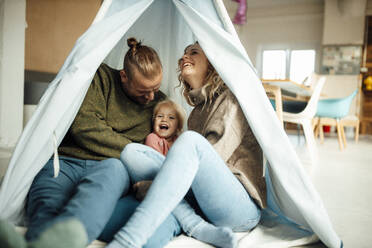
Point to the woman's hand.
(140, 189)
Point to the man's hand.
(141, 188)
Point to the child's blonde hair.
(180, 113)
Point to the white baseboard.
(28, 110)
(6, 145)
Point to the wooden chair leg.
(357, 132)
(339, 135)
(321, 133)
(316, 131)
(343, 134)
(316, 125)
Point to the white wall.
(12, 43)
(369, 7)
(296, 26)
(344, 22)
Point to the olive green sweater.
(107, 120)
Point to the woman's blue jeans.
(191, 162)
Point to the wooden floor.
(344, 181)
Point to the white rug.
(280, 236)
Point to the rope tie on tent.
(55, 158)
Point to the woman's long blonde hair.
(212, 83)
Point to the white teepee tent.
(168, 26)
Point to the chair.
(333, 112)
(305, 117)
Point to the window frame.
(288, 48)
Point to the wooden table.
(275, 92)
(290, 90)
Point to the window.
(274, 64)
(302, 64)
(295, 65)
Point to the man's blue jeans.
(85, 189)
(88, 190)
(191, 162)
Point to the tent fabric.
(168, 26)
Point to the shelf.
(368, 65)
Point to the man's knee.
(114, 170)
(114, 167)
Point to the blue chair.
(332, 112)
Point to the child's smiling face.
(166, 122)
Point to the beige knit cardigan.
(222, 122)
